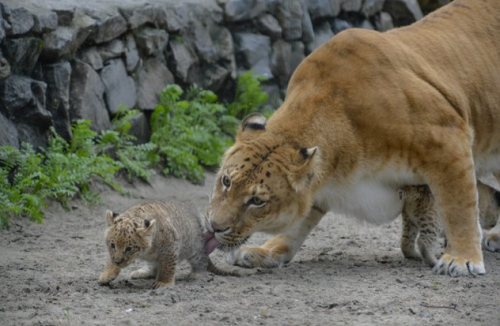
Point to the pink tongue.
(210, 243)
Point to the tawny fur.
(366, 114)
(160, 233)
(421, 220)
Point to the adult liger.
(366, 114)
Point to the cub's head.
(127, 238)
(264, 184)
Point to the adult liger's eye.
(226, 182)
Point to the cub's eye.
(128, 249)
(226, 182)
(256, 201)
(112, 246)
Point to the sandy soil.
(346, 273)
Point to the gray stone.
(141, 128)
(202, 42)
(274, 100)
(4, 67)
(109, 26)
(21, 21)
(86, 96)
(64, 41)
(32, 133)
(215, 76)
(403, 12)
(281, 61)
(366, 25)
(323, 9)
(111, 50)
(371, 7)
(273, 5)
(183, 61)
(268, 25)
(4, 25)
(351, 5)
(151, 79)
(119, 87)
(91, 56)
(8, 132)
(383, 22)
(223, 42)
(65, 16)
(171, 17)
(430, 5)
(298, 55)
(23, 54)
(58, 78)
(131, 54)
(289, 16)
(44, 21)
(253, 52)
(307, 28)
(339, 25)
(151, 41)
(323, 33)
(23, 100)
(241, 10)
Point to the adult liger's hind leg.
(280, 249)
(450, 174)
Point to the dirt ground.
(347, 273)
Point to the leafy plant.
(249, 96)
(192, 132)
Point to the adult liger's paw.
(252, 257)
(458, 266)
(492, 242)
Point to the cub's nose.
(217, 228)
(118, 261)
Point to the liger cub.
(160, 233)
(421, 219)
(366, 114)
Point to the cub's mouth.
(214, 241)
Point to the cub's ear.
(251, 126)
(147, 227)
(307, 168)
(110, 217)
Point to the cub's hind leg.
(408, 238)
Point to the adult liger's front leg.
(280, 249)
(454, 186)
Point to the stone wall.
(65, 60)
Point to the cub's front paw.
(160, 284)
(106, 277)
(252, 257)
(459, 266)
(492, 242)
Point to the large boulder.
(8, 132)
(323, 9)
(183, 61)
(4, 67)
(171, 17)
(20, 19)
(22, 100)
(112, 49)
(109, 25)
(151, 41)
(65, 40)
(253, 53)
(289, 15)
(323, 32)
(131, 54)
(268, 25)
(371, 7)
(87, 96)
(44, 20)
(152, 77)
(241, 10)
(58, 78)
(91, 56)
(23, 54)
(403, 12)
(119, 87)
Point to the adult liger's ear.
(110, 217)
(146, 228)
(251, 126)
(307, 169)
